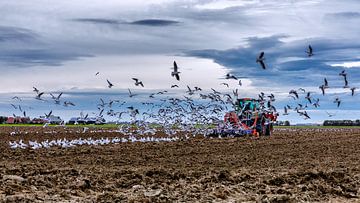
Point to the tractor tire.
(268, 130)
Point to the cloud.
(97, 21)
(34, 57)
(16, 34)
(287, 62)
(146, 22)
(345, 15)
(155, 22)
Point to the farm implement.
(248, 118)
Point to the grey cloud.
(31, 57)
(301, 70)
(155, 22)
(145, 22)
(97, 21)
(16, 34)
(345, 15)
(26, 48)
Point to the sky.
(58, 46)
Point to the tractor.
(248, 118)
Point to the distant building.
(51, 119)
(89, 120)
(18, 120)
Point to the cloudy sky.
(58, 46)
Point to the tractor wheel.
(268, 130)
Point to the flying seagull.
(285, 111)
(138, 82)
(229, 76)
(109, 84)
(353, 91)
(16, 97)
(130, 93)
(326, 84)
(38, 96)
(310, 51)
(175, 72)
(36, 90)
(337, 101)
(97, 73)
(260, 59)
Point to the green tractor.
(248, 118)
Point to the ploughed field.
(293, 165)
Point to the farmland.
(293, 165)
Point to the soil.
(293, 165)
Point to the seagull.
(240, 83)
(97, 73)
(294, 93)
(326, 84)
(172, 86)
(227, 85)
(137, 82)
(36, 90)
(343, 73)
(49, 114)
(190, 91)
(308, 97)
(353, 91)
(346, 83)
(260, 59)
(285, 111)
(131, 94)
(57, 99)
(306, 115)
(322, 87)
(229, 76)
(38, 96)
(316, 103)
(175, 72)
(310, 51)
(302, 89)
(109, 84)
(330, 114)
(16, 97)
(68, 103)
(338, 101)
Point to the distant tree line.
(282, 123)
(3, 119)
(341, 123)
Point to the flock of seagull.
(194, 107)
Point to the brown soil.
(294, 165)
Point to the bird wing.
(177, 77)
(59, 95)
(262, 65)
(261, 55)
(175, 66)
